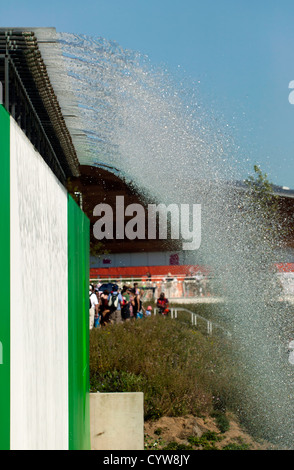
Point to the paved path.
(215, 300)
(196, 300)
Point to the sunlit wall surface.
(41, 341)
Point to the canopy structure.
(29, 59)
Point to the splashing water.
(151, 126)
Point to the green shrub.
(151, 443)
(117, 381)
(176, 446)
(233, 446)
(222, 421)
(206, 441)
(158, 431)
(176, 367)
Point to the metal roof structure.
(281, 191)
(27, 57)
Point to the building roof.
(281, 191)
(35, 62)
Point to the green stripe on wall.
(78, 327)
(5, 280)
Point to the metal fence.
(197, 319)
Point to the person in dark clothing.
(136, 302)
(126, 309)
(103, 308)
(162, 304)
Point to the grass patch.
(233, 446)
(178, 369)
(206, 442)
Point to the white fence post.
(194, 319)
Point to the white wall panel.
(39, 301)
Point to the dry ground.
(159, 433)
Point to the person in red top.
(162, 304)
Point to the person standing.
(104, 310)
(136, 302)
(141, 310)
(115, 301)
(94, 313)
(136, 288)
(198, 280)
(126, 305)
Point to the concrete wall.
(117, 421)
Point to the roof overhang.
(35, 58)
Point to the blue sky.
(242, 52)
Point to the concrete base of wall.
(117, 421)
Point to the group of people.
(118, 305)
